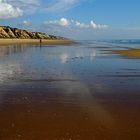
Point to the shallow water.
(79, 92)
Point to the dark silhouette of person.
(40, 41)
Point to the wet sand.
(81, 92)
(35, 41)
(52, 119)
(130, 53)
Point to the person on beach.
(40, 41)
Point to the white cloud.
(30, 6)
(81, 25)
(75, 29)
(92, 25)
(8, 11)
(24, 3)
(59, 5)
(16, 8)
(75, 24)
(64, 22)
(26, 23)
(61, 22)
(97, 26)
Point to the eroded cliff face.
(8, 32)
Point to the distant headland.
(9, 35)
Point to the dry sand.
(35, 41)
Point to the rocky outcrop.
(8, 32)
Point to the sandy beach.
(35, 41)
(70, 92)
(130, 53)
(69, 70)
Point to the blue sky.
(79, 19)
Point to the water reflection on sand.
(74, 92)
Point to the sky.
(76, 19)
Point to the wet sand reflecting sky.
(79, 92)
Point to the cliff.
(9, 33)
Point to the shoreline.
(35, 41)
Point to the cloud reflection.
(79, 54)
(64, 57)
(83, 96)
